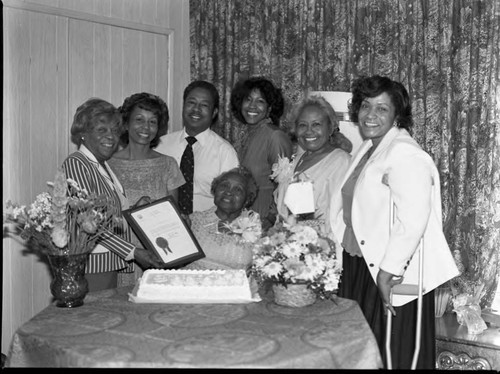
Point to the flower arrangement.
(67, 221)
(297, 254)
(248, 225)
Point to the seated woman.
(226, 231)
(318, 159)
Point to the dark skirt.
(357, 284)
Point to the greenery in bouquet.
(297, 254)
(69, 220)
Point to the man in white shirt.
(212, 153)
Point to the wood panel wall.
(58, 53)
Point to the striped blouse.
(85, 171)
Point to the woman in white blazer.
(376, 256)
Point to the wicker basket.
(294, 295)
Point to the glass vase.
(69, 285)
(293, 295)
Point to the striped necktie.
(187, 169)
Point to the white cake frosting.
(202, 286)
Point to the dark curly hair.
(271, 94)
(375, 85)
(148, 102)
(251, 185)
(89, 114)
(210, 88)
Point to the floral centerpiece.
(63, 225)
(296, 254)
(67, 221)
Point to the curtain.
(446, 53)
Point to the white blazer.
(399, 167)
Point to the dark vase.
(69, 285)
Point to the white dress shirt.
(212, 156)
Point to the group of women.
(352, 194)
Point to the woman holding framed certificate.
(145, 174)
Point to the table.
(110, 331)
(456, 349)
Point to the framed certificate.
(160, 228)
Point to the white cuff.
(130, 256)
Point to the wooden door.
(57, 55)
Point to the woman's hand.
(186, 219)
(385, 282)
(148, 259)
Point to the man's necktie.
(187, 168)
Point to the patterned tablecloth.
(110, 331)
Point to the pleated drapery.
(447, 55)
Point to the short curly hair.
(89, 114)
(272, 95)
(148, 102)
(252, 188)
(375, 85)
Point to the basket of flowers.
(298, 262)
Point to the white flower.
(73, 183)
(262, 261)
(60, 237)
(251, 236)
(248, 225)
(294, 267)
(292, 250)
(282, 171)
(277, 238)
(304, 234)
(18, 211)
(307, 274)
(331, 279)
(315, 262)
(272, 269)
